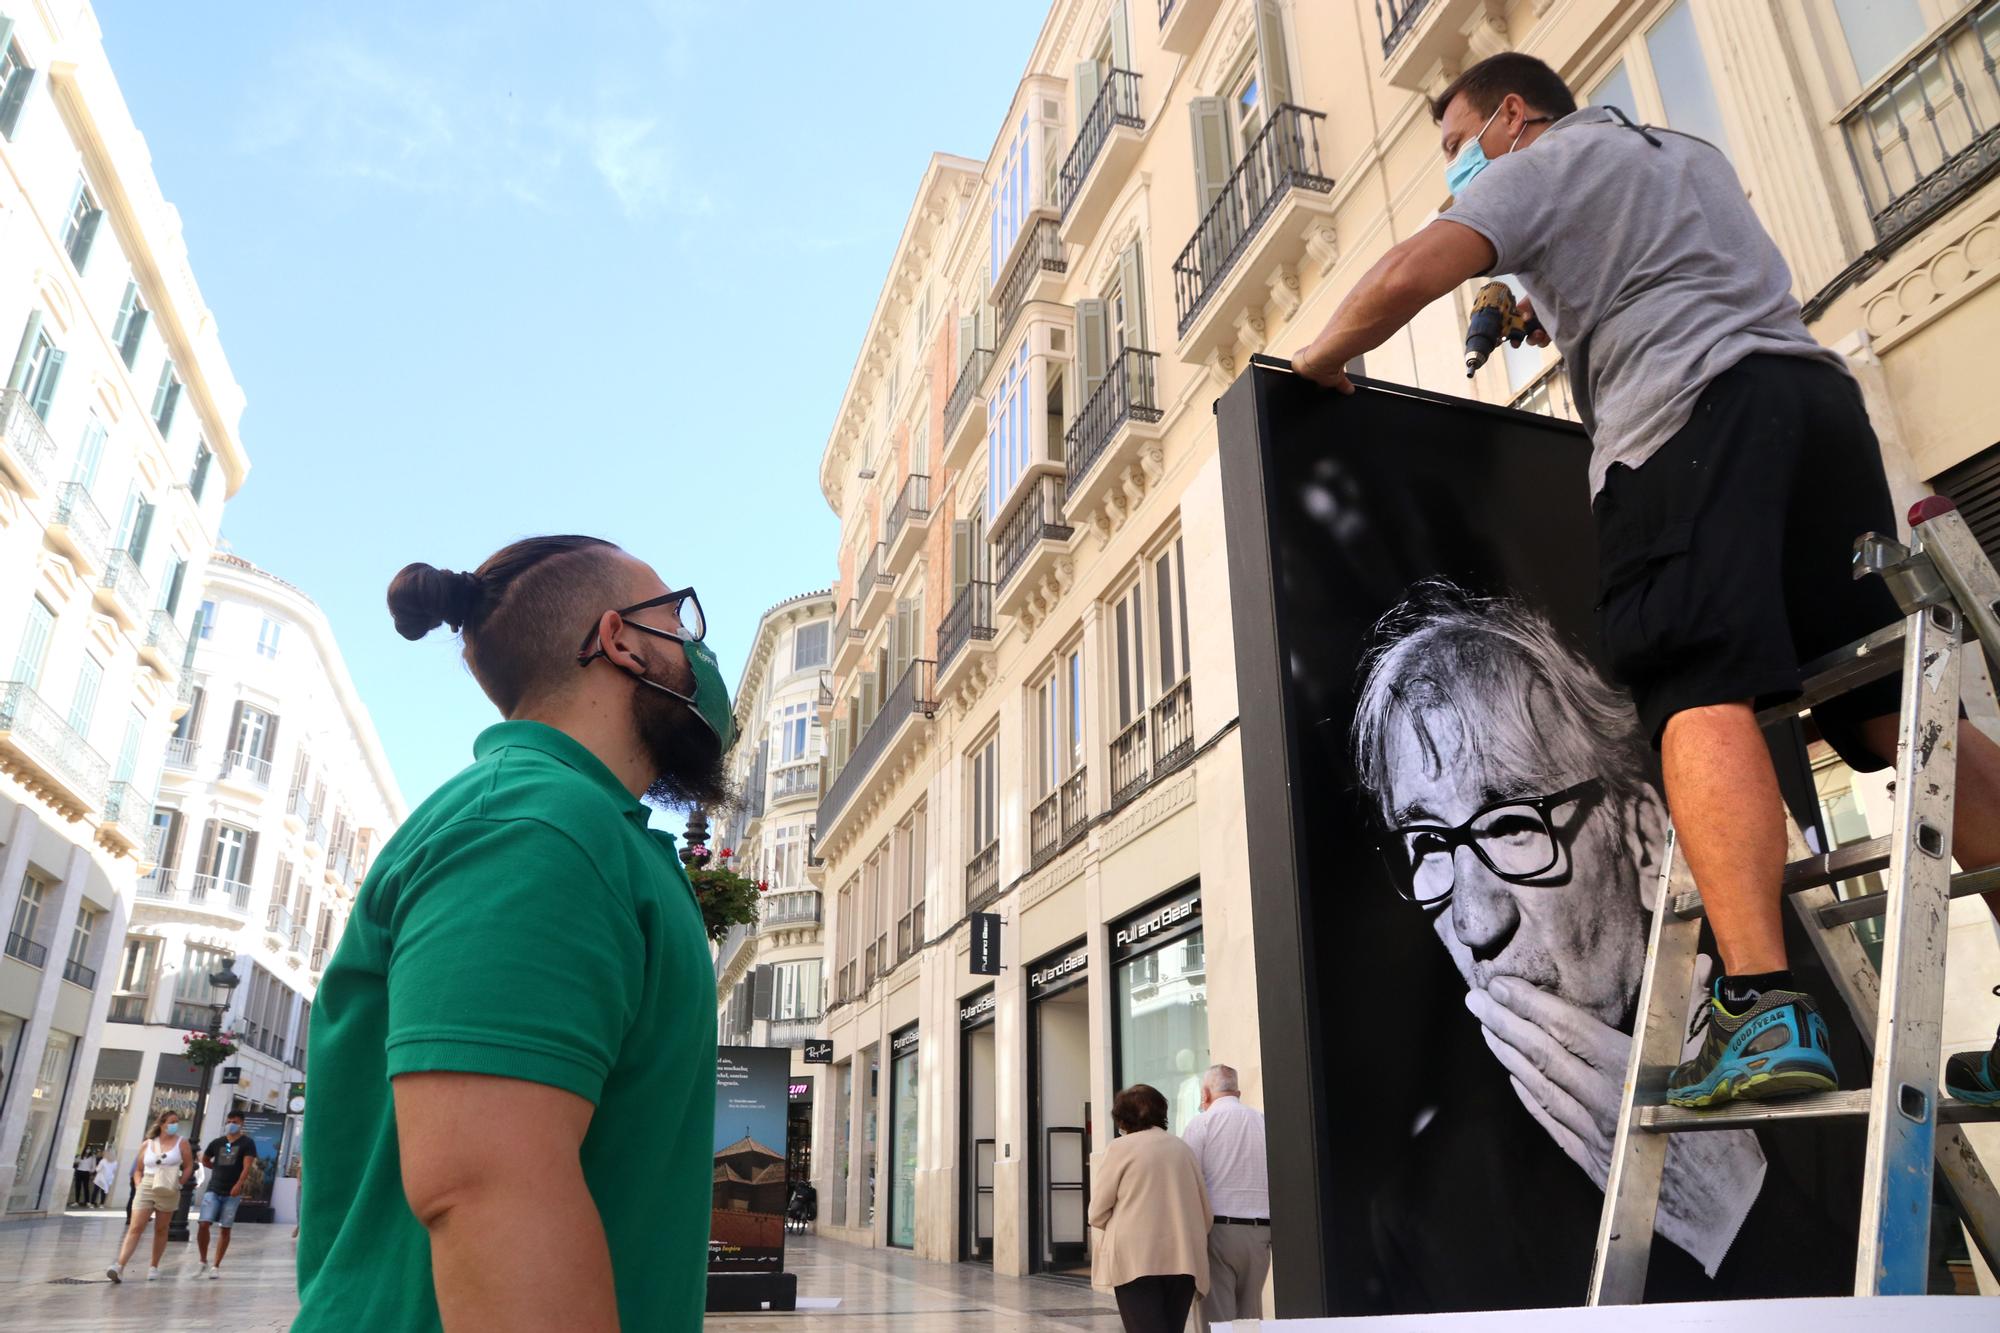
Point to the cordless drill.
(1494, 316)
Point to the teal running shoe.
(1974, 1076)
(1777, 1049)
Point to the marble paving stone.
(52, 1278)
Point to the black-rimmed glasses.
(686, 609)
(1513, 837)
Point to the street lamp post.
(225, 981)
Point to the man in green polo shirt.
(514, 1044)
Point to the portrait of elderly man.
(1520, 818)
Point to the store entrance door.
(978, 1120)
(1059, 1115)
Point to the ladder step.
(1851, 1105)
(1851, 862)
(1842, 671)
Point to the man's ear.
(619, 642)
(1646, 833)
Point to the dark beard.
(686, 756)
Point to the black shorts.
(1725, 559)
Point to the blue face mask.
(173, 1131)
(1472, 159)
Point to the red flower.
(763, 885)
(728, 852)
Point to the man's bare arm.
(1389, 295)
(490, 1168)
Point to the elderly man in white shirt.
(1228, 1141)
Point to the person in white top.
(1228, 1140)
(163, 1168)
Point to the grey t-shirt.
(1646, 265)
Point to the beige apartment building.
(1033, 696)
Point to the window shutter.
(126, 309)
(170, 851)
(45, 384)
(249, 867)
(1121, 37)
(194, 711)
(1131, 281)
(961, 555)
(760, 992)
(236, 726)
(1274, 72)
(1210, 117)
(142, 528)
(85, 235)
(135, 338)
(209, 844)
(1092, 344)
(270, 739)
(968, 332)
(171, 602)
(17, 378)
(14, 96)
(89, 455)
(1086, 82)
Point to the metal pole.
(178, 1228)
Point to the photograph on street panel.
(1436, 599)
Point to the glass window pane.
(1615, 89)
(1686, 93)
(1163, 1025)
(1878, 31)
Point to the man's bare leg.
(1729, 819)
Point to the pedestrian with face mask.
(225, 1158)
(524, 986)
(164, 1166)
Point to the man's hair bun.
(422, 597)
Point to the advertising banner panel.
(1413, 580)
(747, 1231)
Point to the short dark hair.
(234, 1115)
(1139, 1107)
(1487, 82)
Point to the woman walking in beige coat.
(1148, 1198)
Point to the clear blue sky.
(487, 270)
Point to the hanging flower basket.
(205, 1050)
(727, 898)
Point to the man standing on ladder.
(1732, 467)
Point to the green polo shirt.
(524, 922)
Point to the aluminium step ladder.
(1947, 589)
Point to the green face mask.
(711, 694)
(710, 699)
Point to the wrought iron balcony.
(1109, 136)
(1395, 18)
(982, 876)
(278, 921)
(848, 636)
(25, 447)
(123, 590)
(800, 907)
(242, 766)
(72, 776)
(182, 752)
(969, 620)
(1037, 521)
(793, 1032)
(1283, 157)
(1035, 273)
(78, 975)
(909, 520)
(825, 690)
(1128, 762)
(128, 816)
(165, 647)
(128, 1009)
(1154, 744)
(215, 893)
(795, 779)
(78, 528)
(21, 947)
(1927, 133)
(184, 691)
(915, 694)
(964, 428)
(318, 959)
(1058, 820)
(1129, 396)
(298, 807)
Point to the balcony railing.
(913, 502)
(970, 618)
(915, 693)
(982, 876)
(847, 631)
(182, 752)
(318, 959)
(24, 440)
(78, 975)
(793, 1032)
(1130, 392)
(796, 779)
(1395, 18)
(21, 947)
(82, 523)
(164, 637)
(128, 1009)
(755, 785)
(278, 920)
(1128, 762)
(1041, 252)
(216, 892)
(1284, 154)
(1117, 104)
(191, 1016)
(130, 812)
(1038, 518)
(970, 376)
(1075, 807)
(1173, 728)
(1928, 134)
(874, 573)
(797, 908)
(256, 767)
(42, 736)
(299, 806)
(126, 584)
(1045, 830)
(825, 690)
(909, 933)
(1548, 394)
(813, 858)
